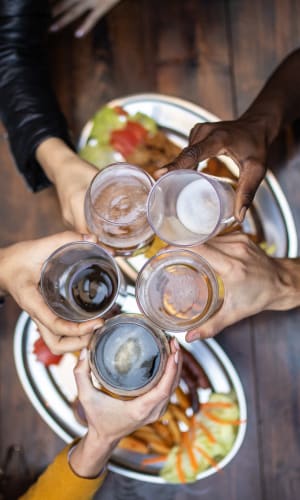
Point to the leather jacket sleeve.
(28, 106)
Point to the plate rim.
(218, 351)
(270, 179)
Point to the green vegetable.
(146, 121)
(100, 156)
(104, 121)
(206, 452)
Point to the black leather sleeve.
(29, 109)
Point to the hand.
(20, 268)
(66, 11)
(105, 427)
(253, 282)
(71, 176)
(243, 140)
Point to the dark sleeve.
(28, 106)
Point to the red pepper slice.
(43, 353)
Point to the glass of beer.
(81, 281)
(116, 208)
(178, 290)
(186, 207)
(128, 355)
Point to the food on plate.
(43, 353)
(117, 136)
(207, 441)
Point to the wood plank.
(263, 33)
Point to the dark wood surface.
(218, 54)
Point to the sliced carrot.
(192, 426)
(189, 448)
(222, 421)
(217, 404)
(207, 457)
(207, 432)
(154, 460)
(179, 468)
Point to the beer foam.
(198, 207)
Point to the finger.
(82, 376)
(252, 173)
(94, 17)
(39, 311)
(61, 345)
(163, 390)
(200, 131)
(60, 7)
(68, 17)
(211, 327)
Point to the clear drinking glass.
(186, 207)
(128, 355)
(116, 207)
(81, 281)
(178, 290)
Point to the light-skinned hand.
(20, 270)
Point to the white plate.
(176, 118)
(52, 390)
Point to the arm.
(20, 269)
(253, 282)
(37, 130)
(29, 108)
(105, 429)
(247, 139)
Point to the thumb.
(209, 329)
(252, 173)
(82, 375)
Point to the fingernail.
(161, 171)
(79, 33)
(190, 337)
(177, 346)
(242, 213)
(88, 237)
(83, 353)
(176, 355)
(53, 28)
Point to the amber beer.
(116, 208)
(178, 290)
(128, 355)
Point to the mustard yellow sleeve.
(59, 481)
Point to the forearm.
(29, 109)
(278, 103)
(91, 455)
(287, 293)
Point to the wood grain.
(217, 54)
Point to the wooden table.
(216, 53)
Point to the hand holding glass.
(178, 290)
(80, 281)
(128, 355)
(187, 208)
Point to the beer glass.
(81, 281)
(186, 207)
(116, 208)
(178, 290)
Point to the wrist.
(288, 289)
(3, 272)
(91, 455)
(53, 154)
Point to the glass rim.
(160, 338)
(74, 244)
(129, 166)
(212, 180)
(170, 326)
